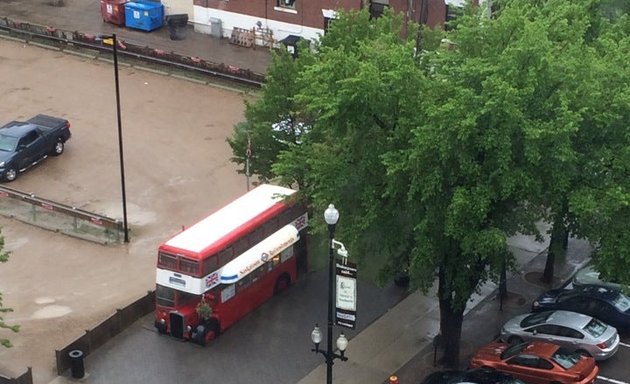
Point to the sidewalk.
(400, 342)
(85, 16)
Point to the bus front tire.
(204, 334)
(281, 284)
(198, 335)
(161, 327)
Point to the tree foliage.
(273, 123)
(4, 257)
(435, 157)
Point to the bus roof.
(228, 219)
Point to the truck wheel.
(58, 149)
(11, 174)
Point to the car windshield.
(513, 350)
(566, 359)
(621, 302)
(595, 328)
(8, 143)
(535, 318)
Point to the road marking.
(611, 380)
(625, 345)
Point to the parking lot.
(176, 172)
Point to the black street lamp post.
(331, 215)
(120, 140)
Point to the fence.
(25, 378)
(96, 337)
(67, 39)
(58, 217)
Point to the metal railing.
(25, 378)
(59, 217)
(77, 40)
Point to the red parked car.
(537, 362)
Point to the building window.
(377, 7)
(287, 3)
(452, 13)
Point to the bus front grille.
(177, 325)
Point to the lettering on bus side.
(250, 267)
(281, 247)
(264, 256)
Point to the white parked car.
(572, 330)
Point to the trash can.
(177, 26)
(146, 16)
(76, 364)
(113, 11)
(215, 27)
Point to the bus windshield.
(169, 297)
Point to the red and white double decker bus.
(229, 263)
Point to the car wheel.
(11, 174)
(58, 149)
(515, 340)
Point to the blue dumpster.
(146, 16)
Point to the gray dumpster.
(215, 27)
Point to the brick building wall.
(303, 18)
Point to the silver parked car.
(572, 330)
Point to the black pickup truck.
(24, 144)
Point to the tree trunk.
(565, 240)
(503, 284)
(451, 329)
(557, 244)
(547, 276)
(450, 324)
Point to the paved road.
(270, 345)
(616, 369)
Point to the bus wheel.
(281, 284)
(198, 336)
(204, 334)
(161, 327)
(209, 336)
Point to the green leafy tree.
(593, 106)
(435, 159)
(4, 257)
(273, 123)
(601, 200)
(417, 156)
